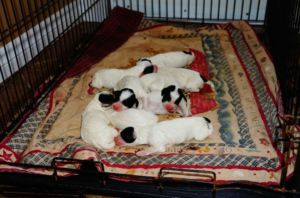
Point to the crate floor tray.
(242, 146)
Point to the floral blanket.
(244, 116)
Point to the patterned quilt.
(245, 120)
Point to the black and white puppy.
(169, 100)
(120, 100)
(134, 84)
(169, 59)
(165, 134)
(95, 128)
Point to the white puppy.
(132, 117)
(165, 133)
(169, 100)
(169, 59)
(95, 127)
(186, 79)
(157, 81)
(110, 77)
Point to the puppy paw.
(142, 153)
(150, 151)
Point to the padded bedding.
(244, 111)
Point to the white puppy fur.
(186, 79)
(95, 128)
(133, 117)
(169, 59)
(156, 104)
(110, 77)
(157, 81)
(166, 133)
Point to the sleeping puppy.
(134, 84)
(169, 100)
(157, 81)
(165, 134)
(95, 128)
(186, 79)
(132, 117)
(169, 59)
(120, 100)
(110, 77)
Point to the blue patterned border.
(269, 109)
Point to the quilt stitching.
(217, 62)
(269, 108)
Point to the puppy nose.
(91, 89)
(119, 141)
(169, 107)
(155, 69)
(117, 107)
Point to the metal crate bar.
(199, 11)
(37, 42)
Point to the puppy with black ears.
(169, 100)
(120, 100)
(165, 134)
(130, 91)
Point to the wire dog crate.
(40, 40)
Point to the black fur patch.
(127, 135)
(181, 96)
(129, 102)
(207, 120)
(106, 98)
(166, 93)
(187, 52)
(145, 59)
(204, 79)
(148, 70)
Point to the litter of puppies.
(128, 115)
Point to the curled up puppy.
(99, 123)
(165, 134)
(95, 128)
(170, 99)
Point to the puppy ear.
(166, 93)
(207, 120)
(181, 94)
(204, 79)
(149, 69)
(168, 89)
(146, 59)
(106, 98)
(117, 95)
(131, 101)
(127, 135)
(187, 52)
